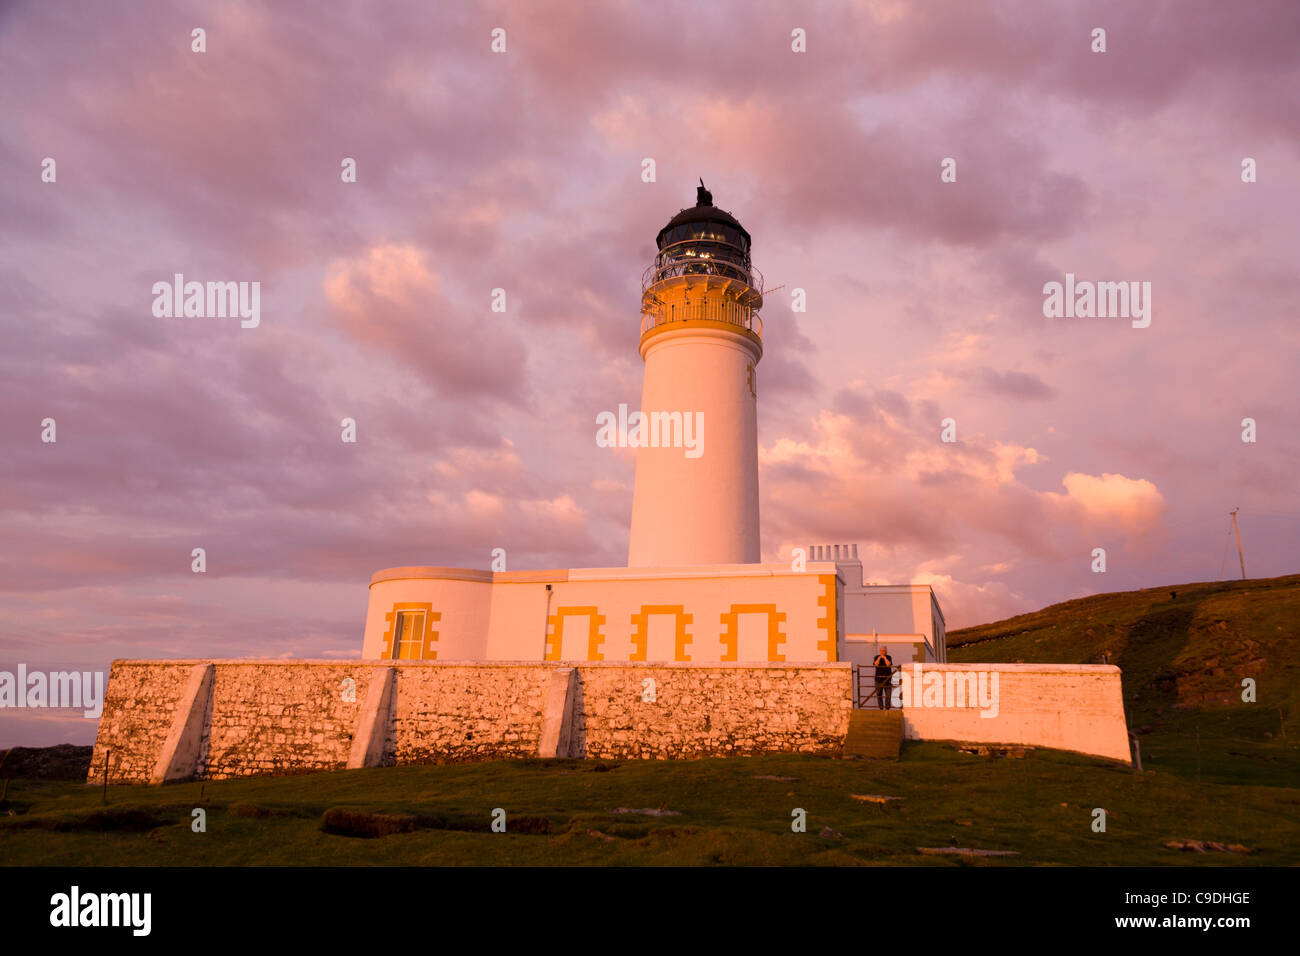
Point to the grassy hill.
(1184, 650)
(729, 811)
(1183, 659)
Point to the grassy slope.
(1182, 660)
(1040, 806)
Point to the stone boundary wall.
(139, 708)
(174, 720)
(443, 713)
(1077, 707)
(701, 710)
(280, 717)
(277, 717)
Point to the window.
(410, 634)
(408, 642)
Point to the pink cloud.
(523, 171)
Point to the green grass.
(1040, 806)
(1183, 661)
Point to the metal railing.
(708, 309)
(723, 266)
(697, 257)
(868, 688)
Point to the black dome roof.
(703, 211)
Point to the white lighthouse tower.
(695, 591)
(701, 343)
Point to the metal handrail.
(864, 697)
(671, 262)
(738, 308)
(728, 311)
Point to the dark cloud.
(1024, 385)
(523, 172)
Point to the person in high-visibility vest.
(884, 670)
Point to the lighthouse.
(701, 341)
(695, 590)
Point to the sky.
(524, 170)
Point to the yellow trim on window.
(641, 630)
(731, 632)
(555, 631)
(830, 642)
(427, 650)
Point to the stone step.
(874, 733)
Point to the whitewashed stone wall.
(711, 710)
(280, 717)
(445, 713)
(139, 707)
(1076, 707)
